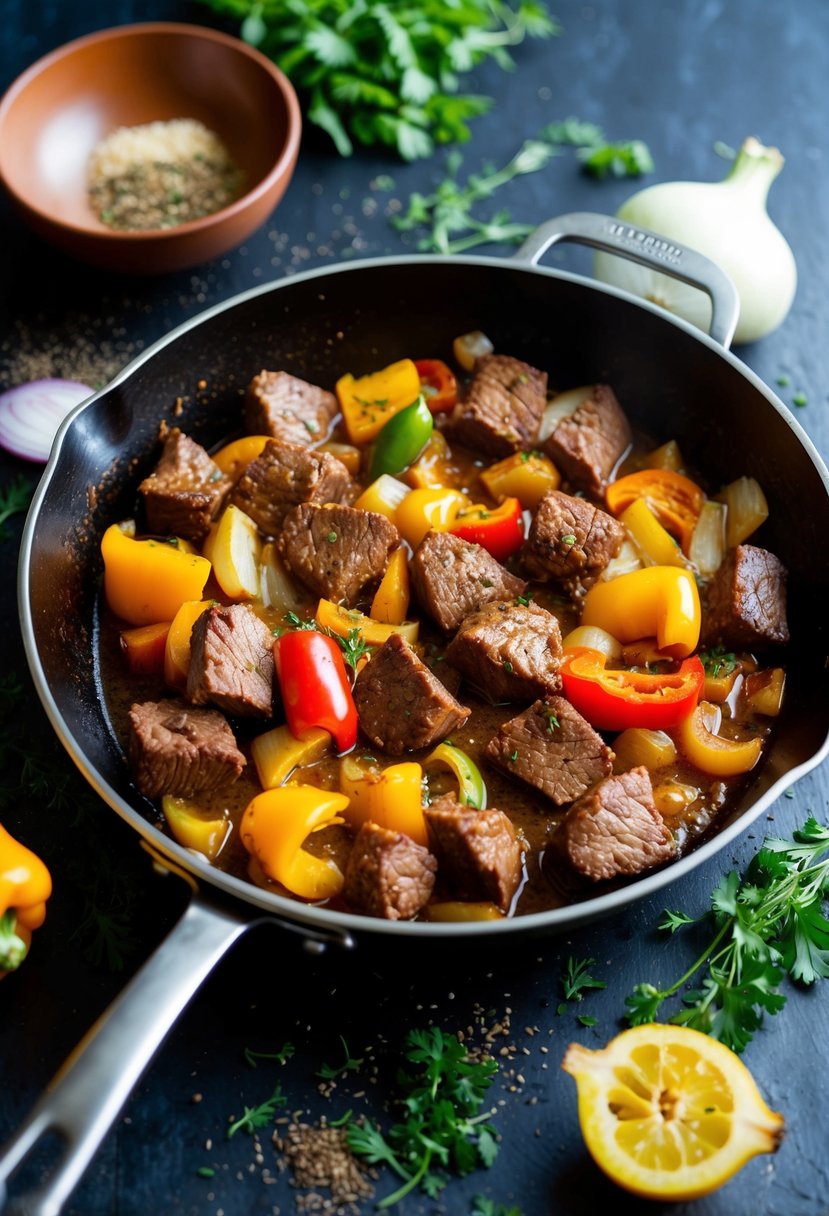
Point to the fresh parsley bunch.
(388, 71)
(443, 1128)
(767, 926)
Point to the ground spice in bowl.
(161, 174)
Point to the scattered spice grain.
(320, 1159)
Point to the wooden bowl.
(56, 112)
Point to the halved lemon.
(669, 1113)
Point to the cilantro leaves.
(767, 926)
(386, 72)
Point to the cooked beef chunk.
(400, 704)
(479, 855)
(745, 602)
(551, 747)
(288, 408)
(510, 651)
(387, 874)
(186, 491)
(231, 661)
(284, 475)
(452, 578)
(570, 541)
(336, 551)
(587, 445)
(502, 410)
(177, 749)
(615, 829)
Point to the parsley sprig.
(575, 980)
(352, 645)
(388, 71)
(261, 1115)
(767, 926)
(442, 1128)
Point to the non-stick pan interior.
(672, 382)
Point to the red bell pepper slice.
(438, 384)
(499, 530)
(617, 699)
(315, 687)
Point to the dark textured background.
(680, 75)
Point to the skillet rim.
(320, 919)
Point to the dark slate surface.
(680, 75)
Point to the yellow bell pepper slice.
(235, 457)
(177, 646)
(277, 753)
(383, 496)
(390, 797)
(368, 402)
(675, 500)
(763, 691)
(426, 509)
(342, 621)
(435, 466)
(391, 602)
(527, 476)
(235, 549)
(275, 825)
(697, 739)
(25, 886)
(654, 541)
(346, 453)
(658, 601)
(195, 828)
(146, 581)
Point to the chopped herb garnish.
(784, 380)
(204, 1171)
(507, 666)
(261, 1115)
(524, 599)
(577, 978)
(569, 540)
(800, 399)
(586, 1019)
(486, 582)
(327, 1072)
(311, 427)
(513, 756)
(331, 537)
(552, 721)
(281, 1056)
(717, 662)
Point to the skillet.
(673, 380)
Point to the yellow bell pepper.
(346, 453)
(275, 825)
(697, 739)
(654, 541)
(194, 828)
(452, 910)
(435, 466)
(763, 691)
(235, 457)
(668, 456)
(177, 646)
(425, 509)
(675, 500)
(383, 496)
(342, 621)
(391, 602)
(234, 548)
(368, 402)
(146, 581)
(390, 797)
(277, 753)
(527, 476)
(25, 885)
(658, 601)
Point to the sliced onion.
(707, 548)
(626, 561)
(593, 638)
(30, 415)
(747, 509)
(560, 407)
(470, 347)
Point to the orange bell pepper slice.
(676, 501)
(390, 797)
(144, 647)
(146, 581)
(275, 825)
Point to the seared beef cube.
(453, 577)
(509, 651)
(570, 541)
(479, 855)
(231, 662)
(551, 747)
(400, 704)
(186, 491)
(177, 749)
(587, 445)
(288, 408)
(615, 829)
(336, 551)
(283, 476)
(502, 410)
(388, 874)
(745, 602)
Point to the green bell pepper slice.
(402, 439)
(471, 787)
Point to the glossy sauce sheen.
(546, 885)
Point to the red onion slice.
(30, 415)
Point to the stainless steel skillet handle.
(649, 249)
